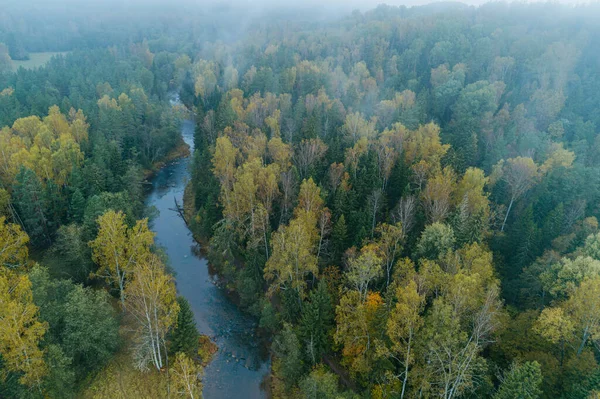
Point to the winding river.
(239, 367)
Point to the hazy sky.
(373, 3)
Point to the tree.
(77, 206)
(118, 249)
(357, 329)
(13, 245)
(584, 309)
(308, 154)
(339, 237)
(20, 329)
(4, 202)
(5, 61)
(520, 175)
(316, 322)
(60, 381)
(184, 337)
(453, 355)
(403, 324)
(320, 384)
(71, 253)
(365, 268)
(293, 254)
(151, 298)
(521, 381)
(356, 127)
(435, 241)
(31, 206)
(471, 189)
(91, 329)
(390, 245)
(404, 213)
(438, 194)
(82, 321)
(288, 364)
(186, 376)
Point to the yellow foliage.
(49, 147)
(20, 330)
(13, 245)
(118, 249)
(152, 300)
(186, 377)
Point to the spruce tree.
(185, 335)
(339, 237)
(29, 200)
(77, 206)
(316, 321)
(521, 381)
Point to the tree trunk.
(406, 367)
(507, 212)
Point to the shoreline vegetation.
(181, 151)
(405, 200)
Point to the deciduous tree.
(118, 249)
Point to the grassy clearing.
(35, 60)
(120, 380)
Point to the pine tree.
(184, 337)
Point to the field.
(35, 60)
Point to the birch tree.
(20, 329)
(186, 376)
(520, 175)
(118, 249)
(390, 245)
(403, 324)
(152, 301)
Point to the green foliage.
(510, 160)
(286, 347)
(82, 322)
(521, 381)
(184, 337)
(320, 383)
(436, 240)
(31, 206)
(316, 322)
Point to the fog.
(343, 4)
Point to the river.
(238, 368)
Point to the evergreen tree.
(315, 323)
(184, 337)
(77, 206)
(31, 206)
(339, 237)
(521, 382)
(289, 357)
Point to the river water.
(239, 366)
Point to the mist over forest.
(308, 200)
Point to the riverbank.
(181, 151)
(240, 364)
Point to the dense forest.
(405, 199)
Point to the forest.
(404, 199)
